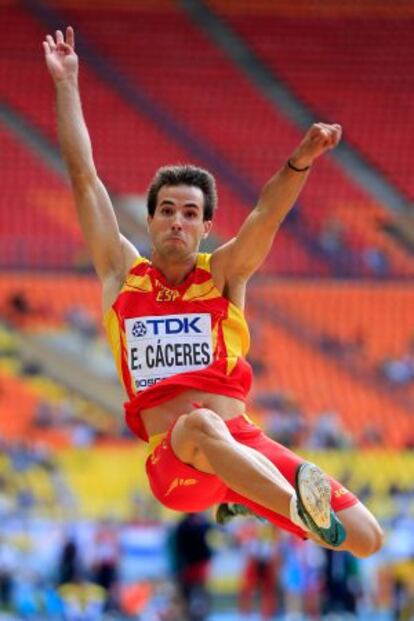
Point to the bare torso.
(158, 419)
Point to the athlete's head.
(184, 175)
(181, 202)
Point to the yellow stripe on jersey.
(237, 340)
(137, 283)
(206, 291)
(203, 261)
(111, 324)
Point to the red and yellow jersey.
(166, 339)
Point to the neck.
(175, 271)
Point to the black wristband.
(295, 168)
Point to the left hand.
(319, 138)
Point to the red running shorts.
(181, 487)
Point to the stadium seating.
(49, 296)
(37, 227)
(376, 318)
(341, 59)
(321, 386)
(237, 123)
(129, 146)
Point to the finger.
(51, 42)
(59, 36)
(64, 47)
(320, 133)
(338, 132)
(334, 132)
(70, 37)
(46, 48)
(327, 135)
(334, 128)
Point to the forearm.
(93, 204)
(73, 134)
(281, 192)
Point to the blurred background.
(231, 85)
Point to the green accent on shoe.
(332, 536)
(228, 511)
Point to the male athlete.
(176, 327)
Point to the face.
(177, 226)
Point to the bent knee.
(364, 535)
(367, 541)
(204, 422)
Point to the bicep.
(100, 227)
(130, 253)
(244, 254)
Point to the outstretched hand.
(60, 56)
(319, 138)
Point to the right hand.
(60, 56)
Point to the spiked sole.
(313, 492)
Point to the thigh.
(192, 432)
(180, 486)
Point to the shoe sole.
(314, 494)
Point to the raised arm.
(111, 253)
(234, 262)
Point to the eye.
(191, 214)
(167, 211)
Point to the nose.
(176, 223)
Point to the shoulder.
(231, 286)
(112, 285)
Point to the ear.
(207, 228)
(149, 220)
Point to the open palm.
(60, 56)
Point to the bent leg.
(260, 473)
(203, 440)
(364, 534)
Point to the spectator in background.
(105, 562)
(377, 261)
(19, 309)
(69, 568)
(79, 319)
(328, 433)
(193, 555)
(8, 565)
(399, 371)
(331, 238)
(261, 552)
(342, 585)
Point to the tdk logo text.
(167, 326)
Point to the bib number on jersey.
(161, 346)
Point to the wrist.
(298, 167)
(66, 81)
(299, 162)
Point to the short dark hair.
(184, 174)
